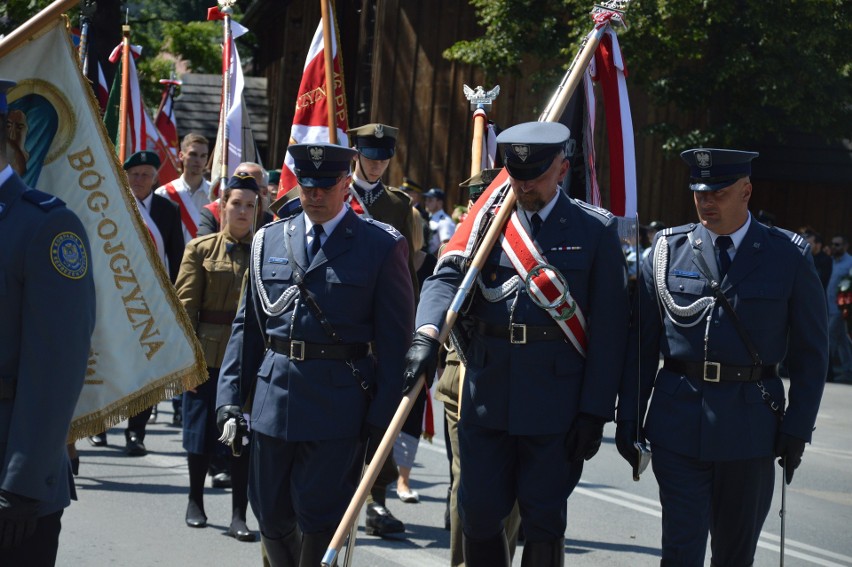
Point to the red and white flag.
(137, 125)
(310, 122)
(165, 121)
(608, 68)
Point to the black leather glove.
(224, 413)
(625, 437)
(18, 519)
(790, 450)
(584, 437)
(421, 358)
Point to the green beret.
(145, 157)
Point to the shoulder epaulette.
(400, 194)
(797, 240)
(598, 210)
(384, 226)
(682, 229)
(42, 200)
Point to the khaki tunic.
(209, 285)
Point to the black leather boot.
(493, 552)
(283, 552)
(544, 553)
(314, 547)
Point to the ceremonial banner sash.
(144, 348)
(187, 208)
(356, 204)
(546, 286)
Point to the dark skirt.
(200, 434)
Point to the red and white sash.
(189, 215)
(544, 283)
(357, 204)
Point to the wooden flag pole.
(35, 24)
(328, 56)
(125, 93)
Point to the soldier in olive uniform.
(543, 369)
(317, 349)
(723, 302)
(47, 315)
(209, 285)
(370, 198)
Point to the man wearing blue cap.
(543, 367)
(316, 355)
(723, 301)
(47, 315)
(441, 225)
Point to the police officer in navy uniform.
(47, 306)
(532, 406)
(714, 422)
(317, 351)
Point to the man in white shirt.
(190, 191)
(440, 223)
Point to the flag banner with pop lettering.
(144, 348)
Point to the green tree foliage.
(748, 70)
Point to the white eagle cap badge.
(317, 155)
(379, 131)
(522, 151)
(704, 159)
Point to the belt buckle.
(712, 371)
(297, 350)
(523, 330)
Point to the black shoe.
(381, 522)
(239, 530)
(221, 480)
(195, 517)
(99, 440)
(135, 447)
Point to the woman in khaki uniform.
(208, 285)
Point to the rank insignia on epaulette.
(68, 255)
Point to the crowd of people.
(314, 326)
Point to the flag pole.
(35, 24)
(86, 13)
(605, 14)
(125, 93)
(226, 94)
(329, 70)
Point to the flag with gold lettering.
(144, 348)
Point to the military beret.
(528, 149)
(711, 169)
(484, 177)
(375, 141)
(320, 164)
(274, 176)
(145, 157)
(434, 193)
(5, 85)
(409, 184)
(243, 180)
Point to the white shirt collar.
(545, 210)
(736, 236)
(363, 183)
(6, 174)
(328, 226)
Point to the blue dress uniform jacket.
(539, 387)
(775, 291)
(361, 283)
(47, 315)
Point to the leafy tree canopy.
(749, 71)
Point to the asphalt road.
(131, 509)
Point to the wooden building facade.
(395, 73)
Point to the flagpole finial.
(479, 98)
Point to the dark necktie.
(536, 224)
(722, 245)
(316, 243)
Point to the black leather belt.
(216, 317)
(718, 372)
(300, 350)
(519, 334)
(8, 386)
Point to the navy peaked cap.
(243, 180)
(144, 157)
(375, 141)
(435, 193)
(320, 164)
(528, 149)
(711, 169)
